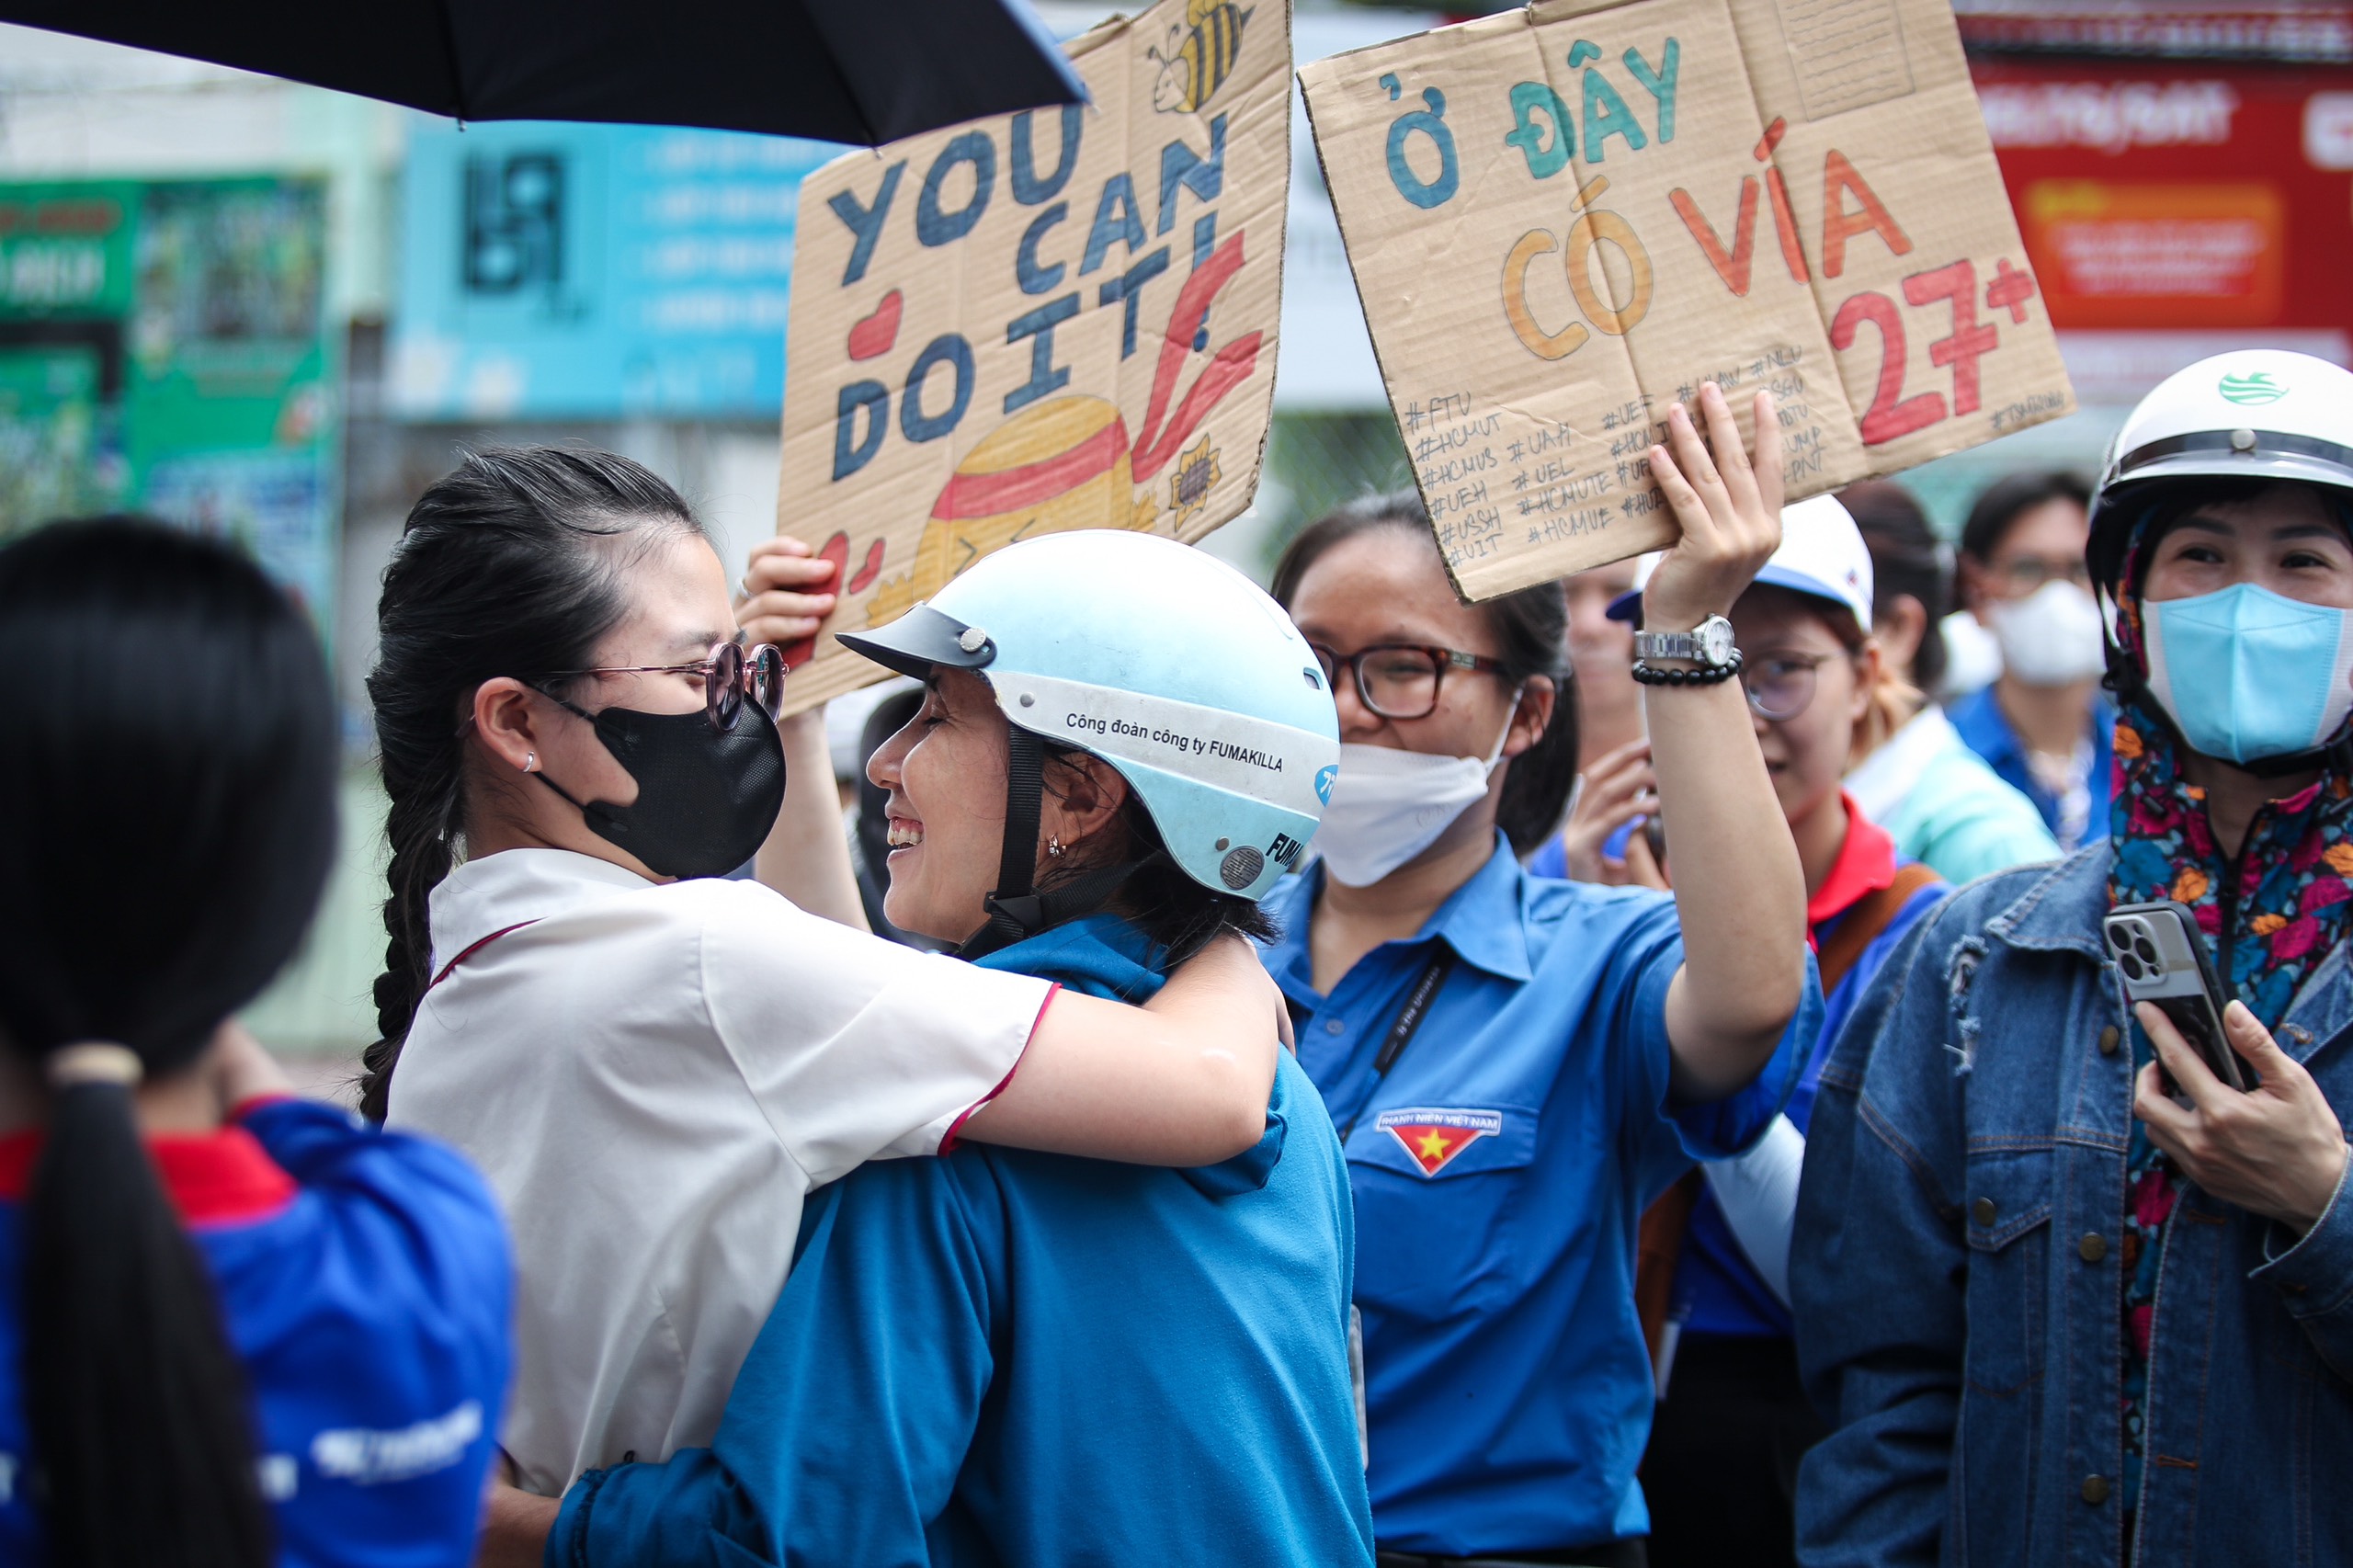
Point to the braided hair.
(514, 563)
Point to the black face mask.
(706, 798)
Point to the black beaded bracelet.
(1650, 674)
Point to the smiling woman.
(946, 775)
(937, 1360)
(654, 1064)
(1176, 778)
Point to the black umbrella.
(865, 71)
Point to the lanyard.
(1409, 1020)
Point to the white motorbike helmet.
(2266, 415)
(1168, 664)
(2260, 414)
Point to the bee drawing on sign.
(1196, 474)
(1200, 56)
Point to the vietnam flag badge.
(1434, 1135)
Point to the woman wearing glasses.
(1733, 1418)
(1518, 1065)
(2043, 725)
(653, 1064)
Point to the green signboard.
(163, 349)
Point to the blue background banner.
(566, 271)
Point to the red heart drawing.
(800, 651)
(866, 574)
(873, 336)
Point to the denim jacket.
(1958, 1285)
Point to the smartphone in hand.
(2161, 953)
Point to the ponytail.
(170, 729)
(511, 564)
(142, 1432)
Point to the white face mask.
(2051, 637)
(1388, 805)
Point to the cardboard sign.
(1563, 220)
(1060, 319)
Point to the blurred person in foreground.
(240, 1329)
(1941, 803)
(1721, 1471)
(2068, 1296)
(2042, 724)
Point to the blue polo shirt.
(1982, 723)
(1500, 1170)
(1009, 1358)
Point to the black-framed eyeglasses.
(731, 672)
(1400, 680)
(1781, 685)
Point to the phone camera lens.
(2130, 965)
(2120, 939)
(2146, 949)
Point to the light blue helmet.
(1164, 661)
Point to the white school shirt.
(652, 1076)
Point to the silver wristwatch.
(1709, 643)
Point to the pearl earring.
(531, 762)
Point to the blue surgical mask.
(2246, 675)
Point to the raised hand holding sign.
(1625, 202)
(1046, 321)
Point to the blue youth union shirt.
(1007, 1357)
(1500, 1172)
(1982, 723)
(365, 1284)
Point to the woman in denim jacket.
(2058, 1314)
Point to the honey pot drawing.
(1056, 465)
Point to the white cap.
(1822, 555)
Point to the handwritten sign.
(1059, 318)
(1563, 220)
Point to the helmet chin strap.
(1018, 910)
(1012, 905)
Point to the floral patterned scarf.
(2286, 902)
